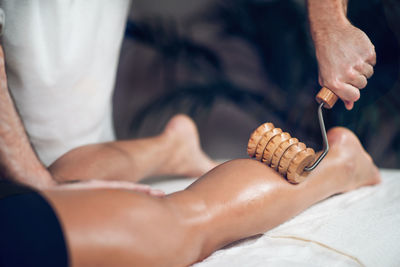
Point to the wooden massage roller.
(286, 154)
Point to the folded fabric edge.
(355, 259)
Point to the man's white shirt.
(61, 63)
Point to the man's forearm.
(324, 14)
(18, 161)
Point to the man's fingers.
(360, 82)
(349, 94)
(365, 69)
(349, 105)
(157, 193)
(346, 92)
(99, 184)
(371, 59)
(368, 70)
(119, 185)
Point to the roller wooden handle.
(327, 97)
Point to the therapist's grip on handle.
(326, 96)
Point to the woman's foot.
(357, 165)
(186, 156)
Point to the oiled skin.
(237, 199)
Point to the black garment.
(30, 233)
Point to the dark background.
(234, 64)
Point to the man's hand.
(345, 54)
(346, 58)
(99, 184)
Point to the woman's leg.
(238, 199)
(254, 198)
(176, 151)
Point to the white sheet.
(359, 228)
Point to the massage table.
(358, 228)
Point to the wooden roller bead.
(256, 137)
(276, 157)
(265, 140)
(287, 157)
(281, 152)
(272, 146)
(295, 171)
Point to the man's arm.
(345, 54)
(18, 160)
